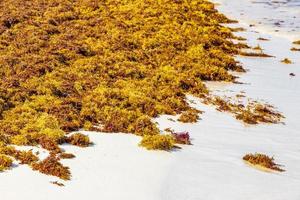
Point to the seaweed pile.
(109, 65)
(262, 161)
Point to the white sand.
(280, 17)
(114, 168)
(211, 169)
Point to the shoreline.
(261, 23)
(217, 170)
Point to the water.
(278, 17)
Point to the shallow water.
(280, 17)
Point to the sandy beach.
(114, 167)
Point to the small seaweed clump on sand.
(253, 113)
(5, 162)
(262, 39)
(57, 183)
(296, 42)
(262, 161)
(258, 47)
(26, 157)
(190, 116)
(78, 139)
(52, 166)
(295, 49)
(286, 61)
(259, 113)
(255, 54)
(182, 137)
(158, 142)
(66, 155)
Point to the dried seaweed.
(262, 160)
(286, 61)
(255, 54)
(158, 142)
(52, 166)
(190, 116)
(66, 156)
(70, 64)
(296, 42)
(5, 162)
(78, 139)
(295, 49)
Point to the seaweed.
(190, 116)
(258, 47)
(255, 54)
(66, 155)
(182, 137)
(78, 139)
(158, 142)
(252, 113)
(5, 162)
(243, 45)
(26, 157)
(286, 61)
(239, 38)
(109, 66)
(49, 144)
(57, 183)
(64, 69)
(295, 49)
(263, 161)
(296, 42)
(238, 29)
(262, 39)
(52, 166)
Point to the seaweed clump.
(26, 157)
(255, 54)
(295, 49)
(66, 155)
(78, 139)
(182, 137)
(262, 39)
(49, 144)
(286, 61)
(57, 183)
(5, 162)
(252, 113)
(297, 42)
(263, 161)
(158, 142)
(190, 116)
(259, 113)
(52, 166)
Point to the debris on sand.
(263, 162)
